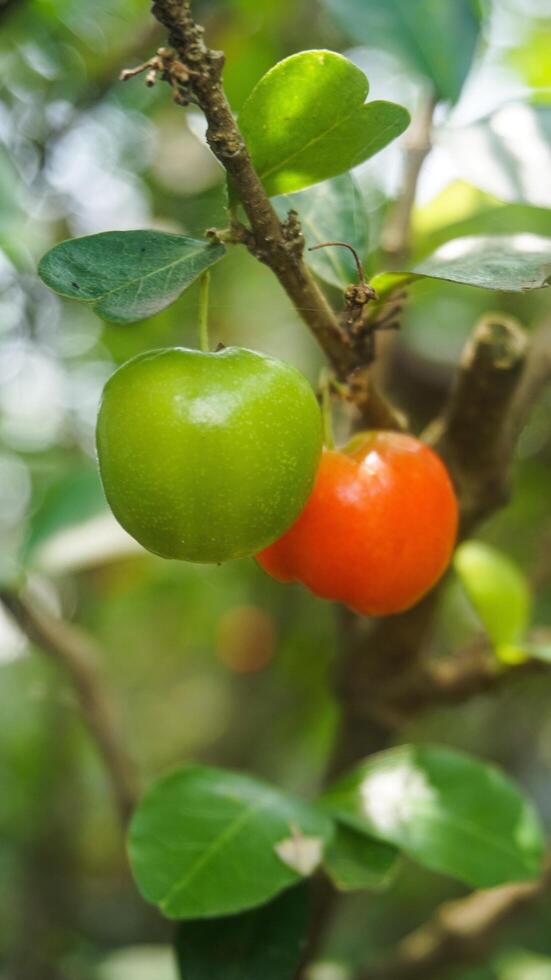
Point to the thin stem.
(396, 234)
(204, 284)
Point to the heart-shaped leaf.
(448, 811)
(307, 120)
(127, 275)
(435, 40)
(498, 590)
(355, 861)
(267, 942)
(203, 842)
(332, 210)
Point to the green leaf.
(435, 39)
(498, 590)
(355, 861)
(521, 964)
(203, 842)
(307, 120)
(73, 498)
(448, 811)
(332, 210)
(127, 275)
(267, 942)
(506, 154)
(538, 649)
(505, 219)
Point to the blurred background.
(221, 663)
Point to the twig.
(395, 237)
(78, 655)
(278, 244)
(459, 933)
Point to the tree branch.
(460, 933)
(418, 144)
(78, 655)
(382, 674)
(474, 436)
(196, 76)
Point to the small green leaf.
(498, 590)
(435, 39)
(448, 811)
(307, 120)
(203, 842)
(127, 275)
(355, 861)
(332, 210)
(267, 942)
(506, 154)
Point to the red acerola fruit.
(378, 529)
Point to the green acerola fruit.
(207, 456)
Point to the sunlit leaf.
(433, 39)
(507, 154)
(127, 275)
(267, 942)
(307, 120)
(497, 588)
(452, 813)
(332, 210)
(355, 861)
(203, 842)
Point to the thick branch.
(382, 675)
(460, 933)
(274, 242)
(474, 436)
(78, 655)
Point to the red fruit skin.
(378, 529)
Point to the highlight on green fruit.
(500, 594)
(204, 456)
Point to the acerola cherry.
(207, 457)
(378, 529)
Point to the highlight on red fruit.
(378, 530)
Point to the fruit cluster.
(208, 457)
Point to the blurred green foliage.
(218, 664)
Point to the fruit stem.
(326, 414)
(204, 284)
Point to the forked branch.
(278, 244)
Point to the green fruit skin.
(207, 457)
